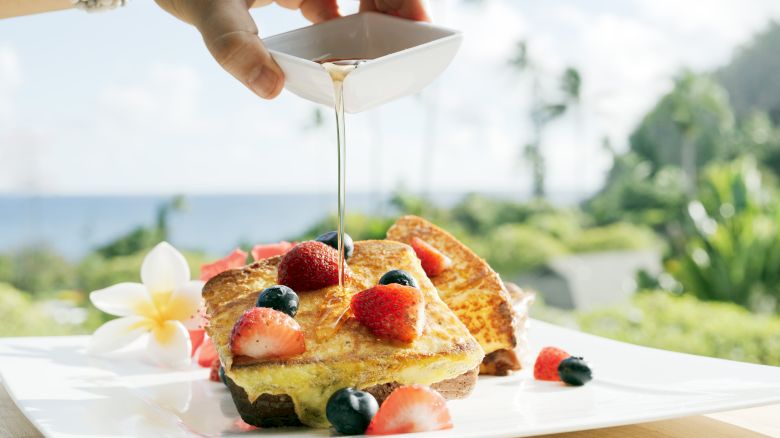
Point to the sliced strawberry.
(413, 408)
(214, 374)
(235, 259)
(207, 353)
(546, 365)
(309, 266)
(196, 339)
(264, 251)
(265, 333)
(391, 311)
(432, 260)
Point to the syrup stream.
(338, 70)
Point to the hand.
(232, 38)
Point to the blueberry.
(280, 298)
(350, 410)
(222, 374)
(331, 238)
(399, 276)
(575, 371)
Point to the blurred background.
(620, 158)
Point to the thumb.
(232, 38)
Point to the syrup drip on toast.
(336, 306)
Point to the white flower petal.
(169, 344)
(186, 303)
(122, 299)
(117, 333)
(164, 269)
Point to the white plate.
(404, 56)
(68, 394)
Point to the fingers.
(318, 11)
(231, 36)
(411, 9)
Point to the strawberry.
(264, 251)
(391, 311)
(214, 375)
(432, 260)
(235, 259)
(309, 266)
(207, 353)
(546, 366)
(196, 339)
(413, 408)
(265, 333)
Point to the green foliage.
(139, 239)
(731, 248)
(518, 237)
(97, 272)
(688, 325)
(751, 78)
(37, 269)
(760, 138)
(618, 236)
(513, 248)
(144, 238)
(21, 316)
(696, 113)
(634, 192)
(358, 226)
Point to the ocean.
(215, 224)
(74, 225)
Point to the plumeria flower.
(163, 308)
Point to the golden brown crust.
(339, 354)
(471, 289)
(278, 410)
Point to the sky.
(130, 102)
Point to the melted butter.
(311, 385)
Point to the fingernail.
(264, 83)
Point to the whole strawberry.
(391, 311)
(546, 366)
(310, 266)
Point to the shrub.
(514, 248)
(688, 325)
(731, 244)
(359, 226)
(20, 316)
(612, 237)
(96, 272)
(37, 269)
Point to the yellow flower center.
(163, 307)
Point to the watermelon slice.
(235, 259)
(264, 251)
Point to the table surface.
(756, 422)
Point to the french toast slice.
(474, 291)
(340, 352)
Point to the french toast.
(474, 291)
(339, 351)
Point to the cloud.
(168, 95)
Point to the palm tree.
(544, 110)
